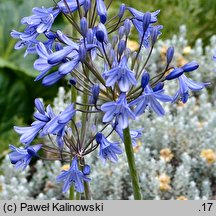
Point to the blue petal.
(52, 78)
(156, 107)
(69, 66)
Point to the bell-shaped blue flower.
(73, 176)
(150, 99)
(42, 19)
(186, 84)
(59, 122)
(135, 134)
(118, 111)
(139, 15)
(21, 157)
(42, 117)
(108, 150)
(41, 64)
(122, 75)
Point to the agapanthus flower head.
(21, 157)
(108, 150)
(73, 176)
(118, 111)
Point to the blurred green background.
(17, 86)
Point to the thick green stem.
(73, 100)
(71, 196)
(87, 191)
(131, 163)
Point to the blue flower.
(122, 75)
(73, 176)
(40, 22)
(59, 122)
(150, 99)
(148, 34)
(42, 19)
(108, 150)
(135, 134)
(139, 15)
(69, 57)
(42, 117)
(101, 10)
(41, 64)
(30, 44)
(71, 5)
(47, 122)
(119, 111)
(21, 157)
(186, 84)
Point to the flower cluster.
(111, 79)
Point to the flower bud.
(114, 40)
(121, 11)
(98, 137)
(87, 6)
(82, 53)
(191, 66)
(121, 46)
(146, 21)
(101, 33)
(90, 36)
(112, 55)
(101, 10)
(83, 26)
(155, 33)
(177, 72)
(145, 79)
(127, 53)
(121, 32)
(158, 86)
(127, 26)
(73, 81)
(95, 93)
(169, 54)
(100, 36)
(86, 169)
